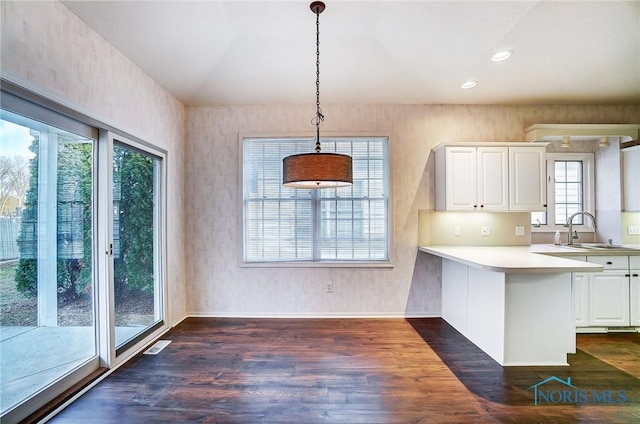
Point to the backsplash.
(439, 228)
(630, 219)
(465, 228)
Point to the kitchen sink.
(601, 246)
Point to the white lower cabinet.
(581, 298)
(634, 295)
(609, 292)
(610, 298)
(634, 290)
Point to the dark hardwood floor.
(354, 371)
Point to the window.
(570, 178)
(81, 249)
(347, 224)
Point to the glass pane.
(561, 214)
(573, 193)
(568, 191)
(538, 218)
(561, 171)
(135, 242)
(47, 324)
(324, 224)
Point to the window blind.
(283, 224)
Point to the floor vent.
(621, 329)
(157, 347)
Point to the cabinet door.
(493, 180)
(634, 297)
(461, 178)
(609, 299)
(527, 175)
(610, 262)
(581, 299)
(631, 176)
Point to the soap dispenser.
(556, 239)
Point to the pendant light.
(317, 170)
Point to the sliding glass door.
(48, 327)
(137, 272)
(81, 252)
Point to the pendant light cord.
(319, 116)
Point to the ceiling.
(398, 52)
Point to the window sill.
(301, 264)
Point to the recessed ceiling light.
(503, 55)
(469, 84)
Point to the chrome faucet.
(570, 225)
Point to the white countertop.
(514, 259)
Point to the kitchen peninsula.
(513, 303)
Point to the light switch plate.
(485, 230)
(633, 230)
(457, 232)
(519, 230)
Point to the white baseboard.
(178, 321)
(307, 315)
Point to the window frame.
(588, 190)
(327, 263)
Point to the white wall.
(47, 48)
(218, 285)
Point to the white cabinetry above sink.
(631, 172)
(490, 177)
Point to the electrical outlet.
(486, 230)
(457, 231)
(329, 287)
(519, 230)
(633, 230)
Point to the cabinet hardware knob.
(609, 263)
(635, 275)
(627, 275)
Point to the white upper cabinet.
(493, 178)
(461, 178)
(631, 178)
(527, 171)
(490, 177)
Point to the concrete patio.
(31, 358)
